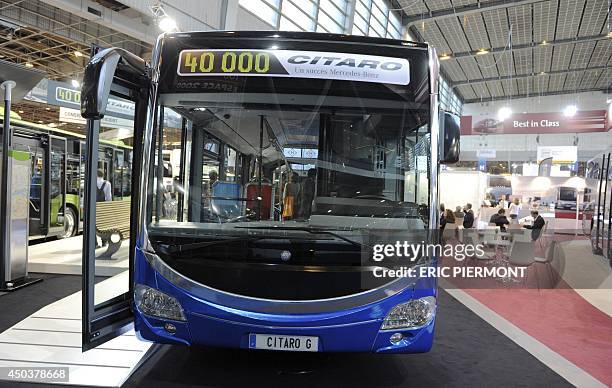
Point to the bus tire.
(70, 223)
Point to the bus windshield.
(308, 173)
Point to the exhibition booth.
(560, 200)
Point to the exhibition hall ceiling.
(37, 34)
(557, 46)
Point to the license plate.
(290, 343)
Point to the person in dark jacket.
(468, 218)
(447, 218)
(500, 219)
(536, 226)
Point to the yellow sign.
(225, 62)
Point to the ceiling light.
(75, 83)
(444, 57)
(482, 51)
(47, 108)
(40, 121)
(29, 65)
(52, 125)
(167, 24)
(78, 54)
(544, 43)
(570, 111)
(609, 34)
(542, 73)
(20, 112)
(503, 113)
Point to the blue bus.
(298, 159)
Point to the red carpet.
(560, 319)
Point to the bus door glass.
(105, 159)
(56, 179)
(118, 165)
(37, 212)
(109, 212)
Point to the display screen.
(293, 63)
(67, 95)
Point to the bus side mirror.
(449, 138)
(99, 75)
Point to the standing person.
(536, 226)
(104, 190)
(212, 176)
(207, 190)
(449, 217)
(503, 204)
(442, 218)
(458, 212)
(307, 194)
(468, 219)
(514, 210)
(290, 195)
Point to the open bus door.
(116, 74)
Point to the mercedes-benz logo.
(285, 255)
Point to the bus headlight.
(157, 304)
(411, 315)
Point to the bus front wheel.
(69, 223)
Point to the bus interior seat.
(226, 208)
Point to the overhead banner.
(291, 63)
(521, 123)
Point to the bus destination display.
(291, 63)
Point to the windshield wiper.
(305, 229)
(178, 248)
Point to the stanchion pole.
(7, 137)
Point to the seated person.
(468, 218)
(499, 219)
(536, 226)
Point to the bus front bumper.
(211, 331)
(357, 329)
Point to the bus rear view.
(295, 157)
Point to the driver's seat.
(226, 202)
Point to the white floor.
(52, 337)
(64, 257)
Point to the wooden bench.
(112, 225)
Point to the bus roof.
(297, 35)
